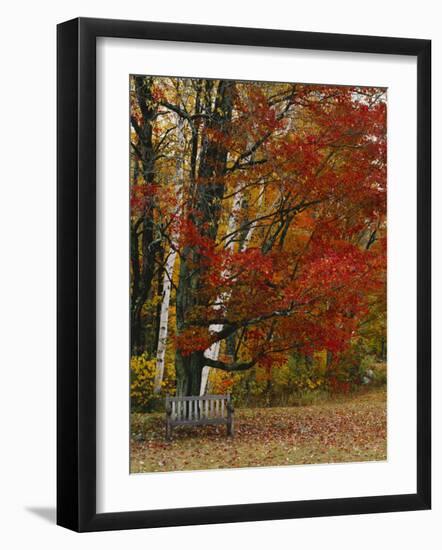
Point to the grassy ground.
(346, 429)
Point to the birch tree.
(279, 183)
(171, 259)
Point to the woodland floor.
(345, 429)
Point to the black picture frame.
(76, 274)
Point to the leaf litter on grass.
(350, 429)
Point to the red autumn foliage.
(280, 228)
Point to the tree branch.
(229, 367)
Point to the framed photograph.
(243, 274)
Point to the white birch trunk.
(249, 235)
(168, 274)
(213, 351)
(164, 320)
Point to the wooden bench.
(199, 411)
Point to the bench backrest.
(194, 408)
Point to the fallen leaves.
(350, 429)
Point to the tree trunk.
(143, 265)
(188, 372)
(168, 271)
(213, 351)
(164, 321)
(207, 200)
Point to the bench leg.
(230, 432)
(168, 431)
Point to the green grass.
(346, 429)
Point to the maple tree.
(258, 222)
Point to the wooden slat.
(197, 398)
(193, 409)
(199, 411)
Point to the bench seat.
(199, 411)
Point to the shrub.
(292, 383)
(142, 377)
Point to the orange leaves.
(274, 196)
(201, 246)
(193, 339)
(141, 196)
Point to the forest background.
(258, 240)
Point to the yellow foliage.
(284, 382)
(142, 378)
